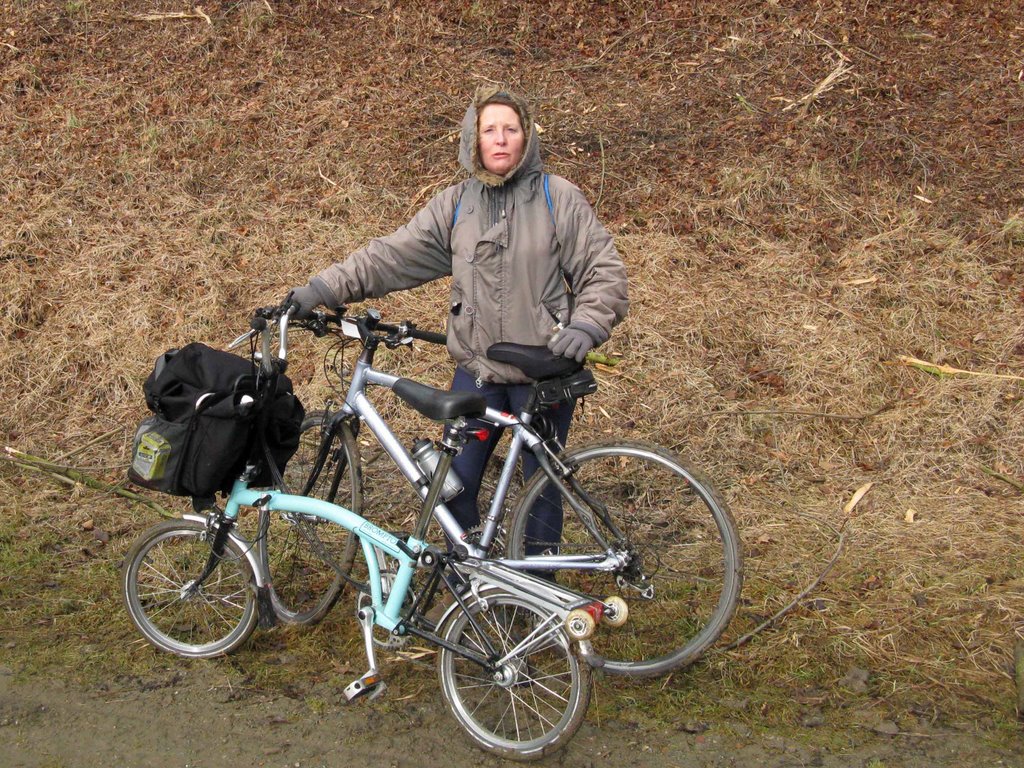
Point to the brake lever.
(242, 339)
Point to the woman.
(514, 241)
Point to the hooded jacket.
(512, 260)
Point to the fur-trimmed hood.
(469, 147)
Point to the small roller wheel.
(615, 611)
(579, 624)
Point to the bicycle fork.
(221, 528)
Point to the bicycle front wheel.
(536, 700)
(158, 586)
(684, 571)
(308, 558)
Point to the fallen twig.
(841, 534)
(321, 175)
(946, 370)
(175, 15)
(1000, 476)
(600, 191)
(72, 476)
(816, 414)
(837, 75)
(771, 621)
(64, 457)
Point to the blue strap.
(547, 196)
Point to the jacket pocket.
(460, 325)
(559, 309)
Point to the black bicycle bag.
(205, 427)
(566, 389)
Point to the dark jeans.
(546, 520)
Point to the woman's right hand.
(308, 297)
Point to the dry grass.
(772, 295)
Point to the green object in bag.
(151, 456)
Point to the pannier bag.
(202, 433)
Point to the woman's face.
(501, 138)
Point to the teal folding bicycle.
(514, 657)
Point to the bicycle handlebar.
(368, 324)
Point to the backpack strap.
(456, 216)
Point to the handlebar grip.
(412, 332)
(429, 336)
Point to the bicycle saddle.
(537, 362)
(439, 404)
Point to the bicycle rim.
(542, 696)
(212, 620)
(683, 580)
(309, 557)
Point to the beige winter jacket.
(510, 258)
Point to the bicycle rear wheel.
(308, 557)
(156, 584)
(682, 582)
(535, 702)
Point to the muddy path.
(200, 719)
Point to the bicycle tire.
(683, 545)
(306, 582)
(155, 576)
(544, 696)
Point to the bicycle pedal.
(368, 687)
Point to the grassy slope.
(160, 178)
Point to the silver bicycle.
(638, 520)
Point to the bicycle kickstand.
(371, 685)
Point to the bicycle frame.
(386, 612)
(358, 405)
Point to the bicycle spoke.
(213, 618)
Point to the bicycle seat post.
(451, 444)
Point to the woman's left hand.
(573, 341)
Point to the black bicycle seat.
(439, 404)
(537, 362)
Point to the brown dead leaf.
(855, 499)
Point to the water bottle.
(427, 456)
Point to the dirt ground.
(198, 720)
(821, 209)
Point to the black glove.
(308, 297)
(575, 340)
